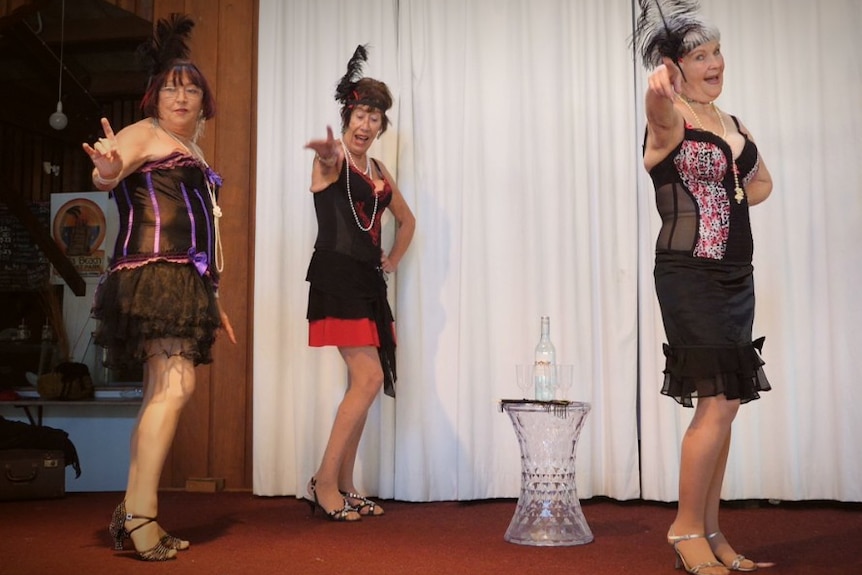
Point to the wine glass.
(565, 377)
(524, 377)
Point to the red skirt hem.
(343, 332)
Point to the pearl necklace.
(193, 149)
(350, 196)
(739, 192)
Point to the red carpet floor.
(239, 534)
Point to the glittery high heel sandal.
(345, 514)
(740, 562)
(117, 528)
(366, 507)
(705, 568)
(119, 533)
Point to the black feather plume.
(169, 43)
(346, 85)
(662, 27)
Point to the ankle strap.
(690, 536)
(130, 517)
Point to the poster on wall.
(23, 266)
(83, 225)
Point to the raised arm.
(665, 126)
(328, 156)
(116, 155)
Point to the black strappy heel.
(365, 503)
(342, 514)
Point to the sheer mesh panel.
(679, 219)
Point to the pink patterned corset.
(695, 198)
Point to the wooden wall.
(215, 434)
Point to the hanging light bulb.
(58, 119)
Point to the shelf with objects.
(51, 257)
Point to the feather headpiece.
(354, 90)
(169, 43)
(669, 29)
(346, 90)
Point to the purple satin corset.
(166, 213)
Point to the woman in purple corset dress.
(707, 173)
(158, 305)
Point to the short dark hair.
(368, 92)
(178, 72)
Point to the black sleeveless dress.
(347, 304)
(703, 273)
(162, 279)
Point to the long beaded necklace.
(350, 197)
(192, 148)
(739, 192)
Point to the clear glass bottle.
(46, 349)
(544, 371)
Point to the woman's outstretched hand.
(328, 151)
(105, 154)
(666, 80)
(226, 325)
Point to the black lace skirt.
(153, 301)
(708, 312)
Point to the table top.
(534, 405)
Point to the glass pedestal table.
(548, 512)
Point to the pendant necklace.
(350, 197)
(739, 192)
(194, 150)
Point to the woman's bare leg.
(703, 450)
(365, 380)
(169, 381)
(720, 546)
(345, 474)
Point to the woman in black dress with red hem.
(347, 305)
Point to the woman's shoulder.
(138, 130)
(137, 137)
(136, 144)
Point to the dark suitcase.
(31, 474)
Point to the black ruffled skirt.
(707, 309)
(153, 301)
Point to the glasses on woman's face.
(191, 92)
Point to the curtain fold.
(516, 140)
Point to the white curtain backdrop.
(516, 141)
